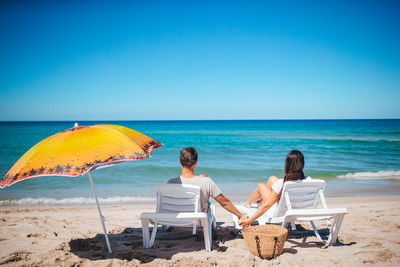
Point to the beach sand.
(72, 236)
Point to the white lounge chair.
(301, 201)
(178, 205)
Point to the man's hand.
(244, 222)
(203, 175)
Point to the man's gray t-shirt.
(207, 188)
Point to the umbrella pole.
(101, 216)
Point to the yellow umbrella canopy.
(79, 150)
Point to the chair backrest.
(303, 194)
(177, 198)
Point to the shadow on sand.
(298, 239)
(128, 244)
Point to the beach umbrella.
(80, 150)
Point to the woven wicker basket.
(265, 241)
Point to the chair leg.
(214, 219)
(293, 224)
(194, 228)
(206, 233)
(145, 233)
(337, 222)
(210, 231)
(236, 222)
(285, 224)
(316, 231)
(153, 234)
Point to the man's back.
(207, 188)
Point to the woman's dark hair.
(188, 157)
(294, 165)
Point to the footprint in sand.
(374, 245)
(36, 235)
(374, 257)
(15, 257)
(385, 255)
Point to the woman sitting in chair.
(267, 195)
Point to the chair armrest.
(173, 215)
(316, 212)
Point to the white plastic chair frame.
(299, 202)
(178, 205)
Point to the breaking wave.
(392, 174)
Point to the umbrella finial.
(76, 124)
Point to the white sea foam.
(74, 201)
(392, 174)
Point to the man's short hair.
(188, 157)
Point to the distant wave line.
(390, 174)
(74, 201)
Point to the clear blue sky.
(64, 60)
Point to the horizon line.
(166, 120)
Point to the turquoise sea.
(355, 157)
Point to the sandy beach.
(71, 236)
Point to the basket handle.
(259, 251)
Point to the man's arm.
(227, 204)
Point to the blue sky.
(199, 60)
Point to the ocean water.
(354, 157)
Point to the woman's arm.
(273, 197)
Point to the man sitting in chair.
(208, 188)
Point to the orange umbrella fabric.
(79, 150)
